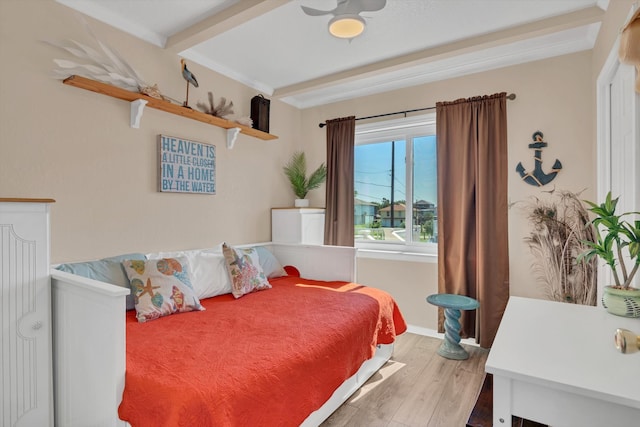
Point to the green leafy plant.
(614, 235)
(296, 171)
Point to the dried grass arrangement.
(560, 226)
(222, 109)
(103, 64)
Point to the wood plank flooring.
(416, 388)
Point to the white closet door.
(618, 146)
(625, 147)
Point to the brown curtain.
(473, 252)
(338, 225)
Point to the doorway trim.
(603, 141)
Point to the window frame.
(406, 129)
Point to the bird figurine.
(190, 78)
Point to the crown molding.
(519, 52)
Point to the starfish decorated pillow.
(245, 272)
(161, 287)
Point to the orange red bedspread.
(269, 358)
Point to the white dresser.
(557, 364)
(297, 225)
(25, 313)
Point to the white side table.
(557, 364)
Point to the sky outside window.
(373, 170)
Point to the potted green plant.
(296, 171)
(618, 244)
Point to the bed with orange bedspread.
(269, 358)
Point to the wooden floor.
(417, 387)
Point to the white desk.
(556, 364)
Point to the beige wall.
(77, 147)
(409, 283)
(556, 96)
(553, 96)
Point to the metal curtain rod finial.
(510, 97)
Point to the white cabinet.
(556, 364)
(299, 225)
(25, 314)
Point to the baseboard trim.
(426, 332)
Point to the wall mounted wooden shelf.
(138, 101)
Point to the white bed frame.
(89, 342)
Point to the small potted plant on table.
(296, 171)
(616, 236)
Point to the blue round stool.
(452, 304)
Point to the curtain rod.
(511, 97)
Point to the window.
(395, 182)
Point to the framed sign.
(186, 166)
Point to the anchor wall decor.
(538, 177)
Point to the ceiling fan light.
(346, 26)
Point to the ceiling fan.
(347, 22)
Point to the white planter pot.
(622, 302)
(301, 203)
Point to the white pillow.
(269, 263)
(208, 271)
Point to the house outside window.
(395, 174)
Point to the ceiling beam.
(237, 14)
(522, 32)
